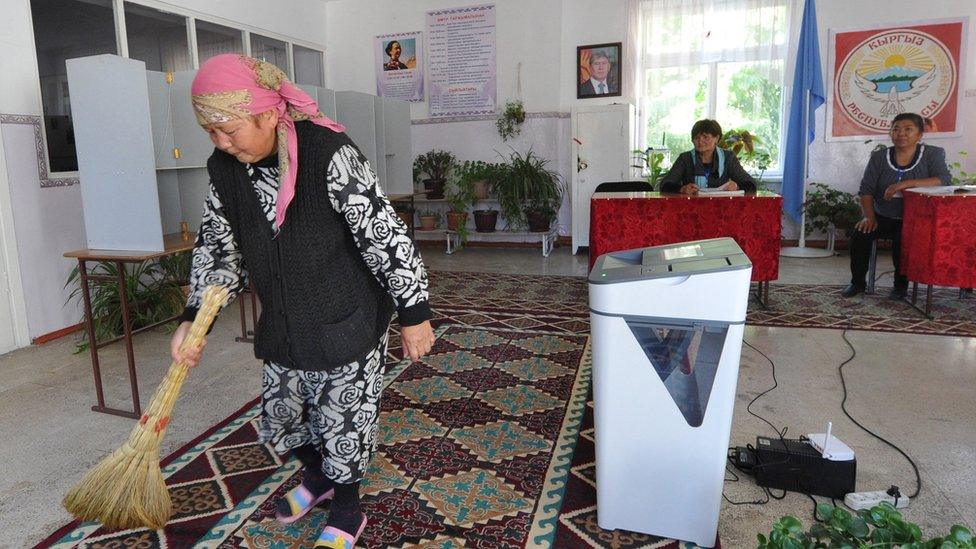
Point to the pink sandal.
(334, 538)
(301, 501)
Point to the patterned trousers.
(335, 411)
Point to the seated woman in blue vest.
(909, 163)
(707, 165)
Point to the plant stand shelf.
(548, 238)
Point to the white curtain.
(684, 32)
(684, 43)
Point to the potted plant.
(176, 268)
(434, 167)
(528, 192)
(827, 208)
(485, 219)
(460, 195)
(510, 120)
(959, 175)
(882, 526)
(152, 294)
(429, 220)
(480, 174)
(405, 212)
(653, 163)
(744, 144)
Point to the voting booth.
(666, 325)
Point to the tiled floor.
(915, 390)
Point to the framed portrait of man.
(598, 70)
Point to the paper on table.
(945, 189)
(719, 192)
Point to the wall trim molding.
(57, 334)
(445, 119)
(33, 120)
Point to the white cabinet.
(324, 97)
(603, 138)
(381, 129)
(128, 121)
(396, 146)
(355, 110)
(193, 143)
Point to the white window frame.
(190, 16)
(671, 60)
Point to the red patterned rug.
(789, 305)
(476, 443)
(485, 443)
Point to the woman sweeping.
(295, 208)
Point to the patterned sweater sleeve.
(216, 257)
(379, 233)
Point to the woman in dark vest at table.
(890, 171)
(706, 165)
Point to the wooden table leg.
(240, 305)
(129, 354)
(90, 329)
(245, 333)
(762, 293)
(928, 300)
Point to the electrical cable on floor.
(772, 365)
(843, 406)
(779, 433)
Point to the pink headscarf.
(232, 86)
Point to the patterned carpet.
(486, 443)
(476, 443)
(790, 305)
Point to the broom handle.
(154, 421)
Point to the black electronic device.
(743, 458)
(795, 465)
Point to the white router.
(829, 446)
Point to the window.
(721, 59)
(157, 38)
(214, 39)
(270, 50)
(64, 29)
(308, 66)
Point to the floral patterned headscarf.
(232, 86)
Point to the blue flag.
(807, 79)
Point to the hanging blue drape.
(807, 79)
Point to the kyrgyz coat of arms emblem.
(893, 72)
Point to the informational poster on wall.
(399, 72)
(461, 55)
(880, 72)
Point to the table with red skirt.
(939, 241)
(626, 220)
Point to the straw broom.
(126, 489)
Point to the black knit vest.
(321, 307)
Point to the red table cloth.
(939, 239)
(621, 221)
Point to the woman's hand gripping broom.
(126, 489)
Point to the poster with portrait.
(461, 53)
(598, 70)
(399, 74)
(880, 72)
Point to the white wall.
(48, 222)
(841, 164)
(542, 35)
